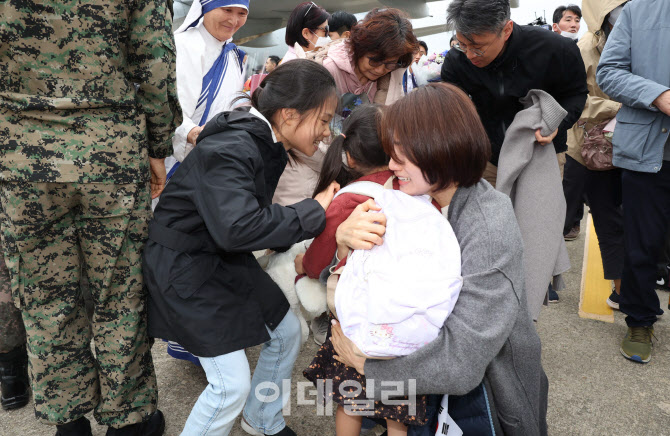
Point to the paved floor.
(593, 389)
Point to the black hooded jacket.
(206, 290)
(534, 58)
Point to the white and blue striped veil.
(211, 82)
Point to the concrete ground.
(593, 389)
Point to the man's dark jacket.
(206, 290)
(534, 58)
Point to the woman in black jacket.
(207, 292)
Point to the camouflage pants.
(12, 332)
(44, 227)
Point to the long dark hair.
(361, 140)
(300, 84)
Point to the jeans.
(646, 216)
(230, 385)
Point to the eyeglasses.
(464, 48)
(310, 8)
(324, 28)
(391, 66)
(479, 53)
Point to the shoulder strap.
(371, 189)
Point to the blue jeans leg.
(223, 399)
(263, 410)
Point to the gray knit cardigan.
(490, 332)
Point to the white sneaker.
(319, 327)
(249, 429)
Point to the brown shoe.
(572, 234)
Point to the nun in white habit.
(210, 68)
(210, 75)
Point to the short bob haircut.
(303, 17)
(439, 131)
(384, 34)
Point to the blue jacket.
(634, 70)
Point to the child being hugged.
(206, 290)
(360, 146)
(395, 297)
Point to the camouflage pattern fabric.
(12, 332)
(87, 89)
(43, 226)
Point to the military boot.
(153, 426)
(14, 379)
(79, 427)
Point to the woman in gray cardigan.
(489, 337)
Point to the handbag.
(597, 147)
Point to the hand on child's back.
(364, 228)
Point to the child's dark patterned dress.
(325, 367)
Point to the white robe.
(197, 50)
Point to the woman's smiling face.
(410, 177)
(304, 133)
(222, 23)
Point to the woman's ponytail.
(256, 95)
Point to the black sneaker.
(286, 431)
(613, 300)
(663, 282)
(553, 295)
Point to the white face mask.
(322, 41)
(569, 34)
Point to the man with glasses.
(497, 62)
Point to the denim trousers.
(231, 386)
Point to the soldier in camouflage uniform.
(88, 105)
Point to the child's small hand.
(326, 196)
(298, 264)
